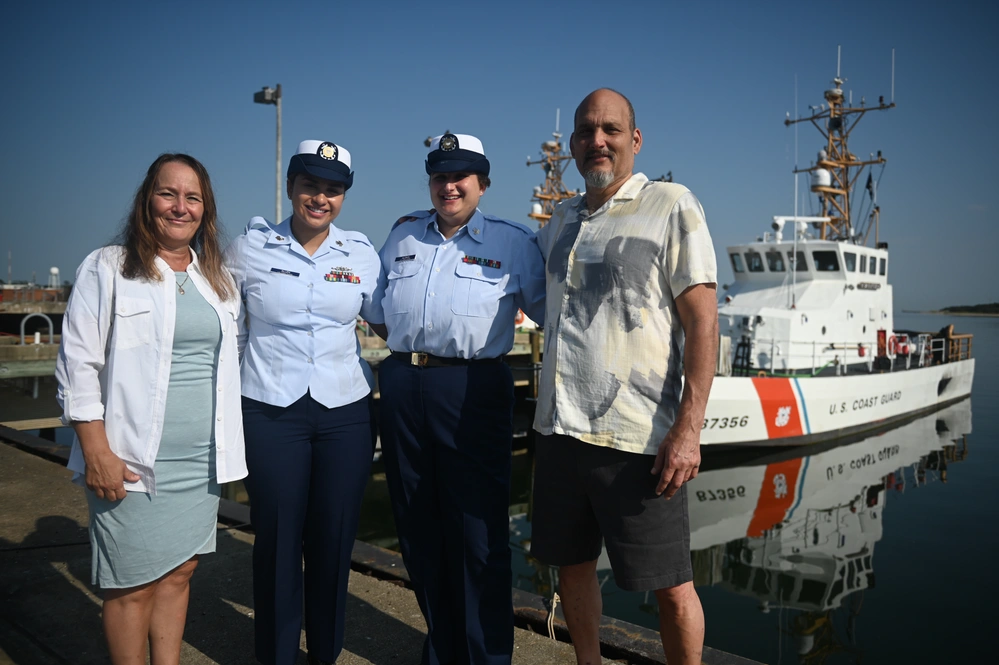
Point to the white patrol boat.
(809, 350)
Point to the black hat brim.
(316, 166)
(454, 161)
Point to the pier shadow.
(219, 614)
(220, 620)
(49, 615)
(377, 637)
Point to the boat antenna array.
(549, 194)
(837, 170)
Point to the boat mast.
(835, 173)
(553, 160)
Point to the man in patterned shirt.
(631, 277)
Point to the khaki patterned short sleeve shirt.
(613, 342)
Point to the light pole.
(273, 96)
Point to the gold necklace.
(180, 287)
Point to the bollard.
(38, 338)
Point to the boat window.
(775, 261)
(884, 266)
(754, 261)
(863, 263)
(799, 263)
(874, 265)
(826, 261)
(737, 264)
(850, 259)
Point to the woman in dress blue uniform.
(306, 404)
(453, 282)
(148, 379)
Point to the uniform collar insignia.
(337, 240)
(281, 233)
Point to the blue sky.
(93, 92)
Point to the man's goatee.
(598, 179)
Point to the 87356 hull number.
(725, 423)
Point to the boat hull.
(794, 411)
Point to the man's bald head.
(631, 109)
(604, 143)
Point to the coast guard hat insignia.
(327, 151)
(449, 142)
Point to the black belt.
(428, 360)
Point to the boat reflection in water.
(796, 533)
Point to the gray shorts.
(585, 494)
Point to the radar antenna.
(836, 171)
(549, 194)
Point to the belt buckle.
(418, 359)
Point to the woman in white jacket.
(149, 380)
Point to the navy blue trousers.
(308, 466)
(446, 436)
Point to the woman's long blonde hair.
(139, 235)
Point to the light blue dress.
(143, 537)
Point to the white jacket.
(124, 380)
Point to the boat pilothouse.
(801, 305)
(808, 349)
(810, 296)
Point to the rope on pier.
(551, 615)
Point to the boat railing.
(958, 346)
(811, 358)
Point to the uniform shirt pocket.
(477, 290)
(277, 298)
(404, 288)
(132, 322)
(338, 301)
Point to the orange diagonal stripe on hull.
(780, 410)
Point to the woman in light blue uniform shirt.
(306, 404)
(452, 284)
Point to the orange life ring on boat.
(520, 318)
(892, 345)
(861, 351)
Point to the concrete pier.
(51, 615)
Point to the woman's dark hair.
(139, 235)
